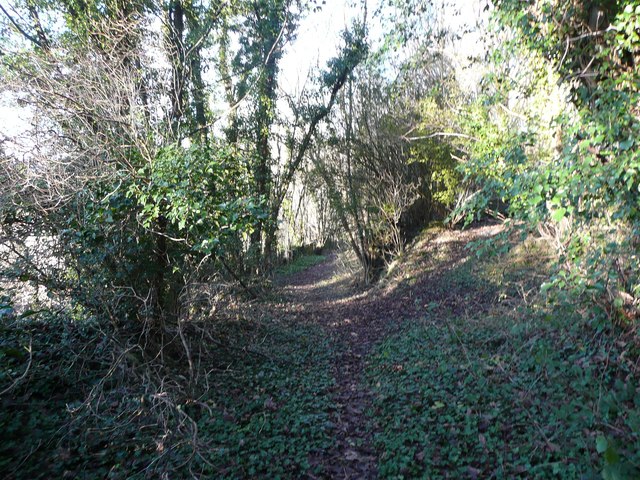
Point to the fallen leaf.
(351, 455)
(474, 472)
(269, 404)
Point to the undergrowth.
(88, 407)
(488, 382)
(526, 401)
(270, 414)
(76, 405)
(505, 387)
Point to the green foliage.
(523, 409)
(200, 191)
(104, 246)
(268, 415)
(517, 395)
(576, 170)
(192, 200)
(354, 52)
(498, 167)
(442, 178)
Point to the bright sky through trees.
(319, 36)
(317, 41)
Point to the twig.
(442, 134)
(238, 279)
(464, 348)
(186, 349)
(243, 349)
(511, 112)
(15, 383)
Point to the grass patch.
(299, 264)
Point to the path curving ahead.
(357, 321)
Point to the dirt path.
(356, 322)
(353, 329)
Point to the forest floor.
(451, 367)
(358, 321)
(454, 366)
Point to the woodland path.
(356, 321)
